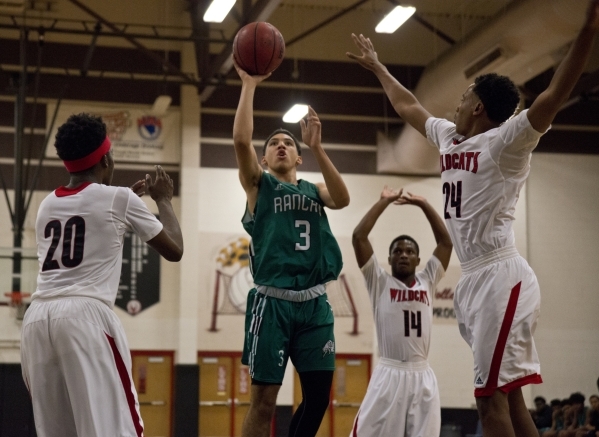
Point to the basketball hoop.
(16, 301)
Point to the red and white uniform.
(402, 397)
(75, 357)
(497, 300)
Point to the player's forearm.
(570, 69)
(243, 126)
(169, 221)
(363, 229)
(399, 96)
(332, 179)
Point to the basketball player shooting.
(293, 254)
(497, 299)
(75, 357)
(402, 399)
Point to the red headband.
(90, 160)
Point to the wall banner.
(136, 135)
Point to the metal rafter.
(166, 65)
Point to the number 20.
(74, 225)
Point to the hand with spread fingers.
(311, 128)
(139, 187)
(391, 195)
(369, 58)
(247, 78)
(411, 199)
(162, 187)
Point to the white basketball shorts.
(497, 304)
(77, 366)
(402, 400)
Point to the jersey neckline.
(64, 191)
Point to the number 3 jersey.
(482, 177)
(79, 235)
(403, 314)
(292, 246)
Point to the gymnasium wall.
(563, 241)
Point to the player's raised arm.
(333, 192)
(250, 170)
(403, 101)
(169, 242)
(546, 106)
(444, 244)
(362, 246)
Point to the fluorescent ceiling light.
(398, 16)
(218, 10)
(296, 113)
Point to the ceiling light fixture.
(296, 113)
(398, 16)
(218, 10)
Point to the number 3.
(305, 235)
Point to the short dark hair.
(577, 398)
(286, 132)
(79, 136)
(404, 237)
(499, 95)
(566, 401)
(556, 403)
(540, 399)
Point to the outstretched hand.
(246, 78)
(139, 187)
(390, 194)
(410, 199)
(592, 21)
(369, 58)
(311, 128)
(162, 187)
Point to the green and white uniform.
(293, 255)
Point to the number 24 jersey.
(482, 177)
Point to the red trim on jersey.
(90, 160)
(354, 432)
(124, 375)
(64, 191)
(504, 332)
(535, 378)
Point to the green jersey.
(292, 244)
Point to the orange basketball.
(258, 48)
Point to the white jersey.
(79, 235)
(482, 177)
(403, 314)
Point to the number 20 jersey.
(79, 235)
(482, 177)
(292, 246)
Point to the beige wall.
(563, 207)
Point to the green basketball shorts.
(277, 329)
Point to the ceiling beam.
(166, 65)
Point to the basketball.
(258, 48)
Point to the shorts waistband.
(489, 258)
(404, 365)
(292, 295)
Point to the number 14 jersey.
(79, 235)
(292, 246)
(403, 313)
(482, 177)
